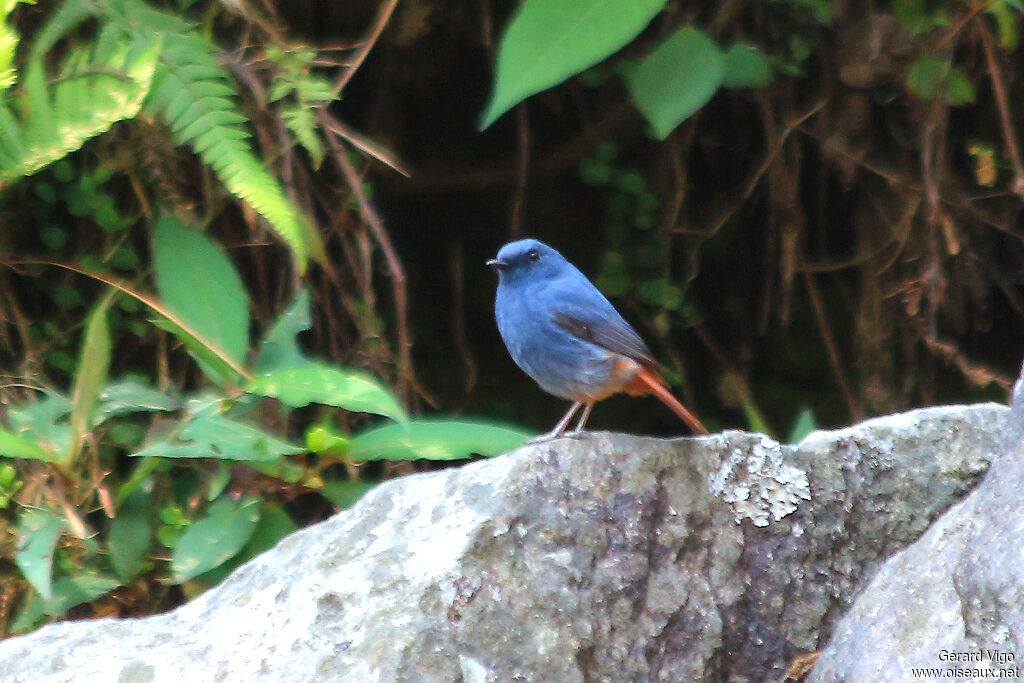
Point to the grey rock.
(953, 601)
(603, 558)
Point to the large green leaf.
(216, 436)
(38, 531)
(214, 363)
(548, 41)
(130, 536)
(14, 446)
(44, 421)
(435, 440)
(676, 79)
(280, 349)
(745, 67)
(198, 283)
(93, 364)
(120, 398)
(274, 525)
(318, 383)
(221, 533)
(67, 593)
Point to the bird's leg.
(583, 418)
(560, 427)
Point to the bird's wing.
(581, 310)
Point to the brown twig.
(371, 39)
(515, 227)
(398, 282)
(1003, 107)
(755, 177)
(856, 410)
(364, 144)
(459, 322)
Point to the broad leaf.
(548, 41)
(126, 397)
(210, 434)
(130, 536)
(44, 420)
(216, 436)
(318, 383)
(345, 494)
(198, 283)
(745, 67)
(435, 440)
(13, 446)
(280, 350)
(221, 533)
(66, 594)
(93, 364)
(274, 525)
(676, 79)
(38, 531)
(213, 362)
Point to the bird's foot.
(551, 436)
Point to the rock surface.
(953, 602)
(604, 558)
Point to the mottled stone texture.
(603, 558)
(959, 589)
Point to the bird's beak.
(497, 263)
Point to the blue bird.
(568, 337)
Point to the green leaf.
(435, 440)
(318, 383)
(547, 41)
(196, 96)
(97, 89)
(926, 74)
(67, 593)
(130, 536)
(13, 446)
(216, 436)
(198, 283)
(274, 525)
(211, 360)
(745, 67)
(38, 531)
(959, 90)
(93, 364)
(221, 533)
(127, 396)
(1006, 21)
(676, 79)
(322, 438)
(345, 494)
(280, 350)
(43, 421)
(805, 423)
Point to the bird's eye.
(533, 255)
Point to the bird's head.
(527, 259)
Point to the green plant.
(142, 59)
(548, 41)
(188, 507)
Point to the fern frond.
(193, 93)
(98, 88)
(196, 96)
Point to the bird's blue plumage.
(558, 327)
